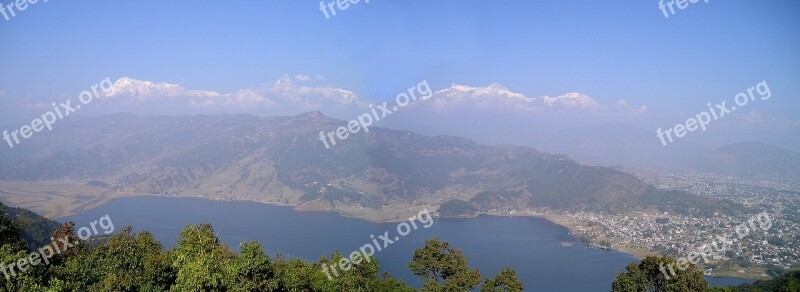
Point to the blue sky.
(609, 50)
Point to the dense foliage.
(789, 282)
(35, 229)
(650, 275)
(127, 261)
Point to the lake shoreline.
(752, 273)
(70, 208)
(530, 245)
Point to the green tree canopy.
(443, 268)
(654, 274)
(505, 281)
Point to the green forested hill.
(35, 228)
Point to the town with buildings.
(765, 248)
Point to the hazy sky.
(609, 50)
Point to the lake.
(532, 246)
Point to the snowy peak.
(572, 100)
(142, 89)
(285, 80)
(458, 87)
(497, 95)
(497, 87)
(493, 89)
(272, 95)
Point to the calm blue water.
(532, 246)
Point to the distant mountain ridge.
(281, 160)
(751, 160)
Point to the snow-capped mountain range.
(282, 92)
(285, 92)
(495, 94)
(143, 90)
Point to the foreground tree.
(363, 275)
(654, 274)
(201, 260)
(443, 268)
(252, 270)
(505, 281)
